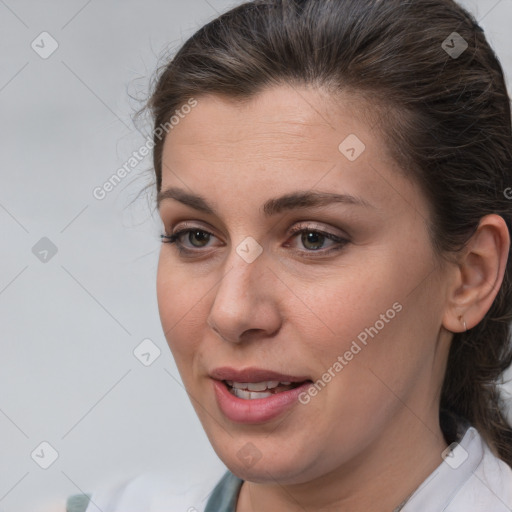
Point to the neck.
(385, 474)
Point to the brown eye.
(197, 238)
(314, 238)
(202, 237)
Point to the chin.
(277, 466)
(266, 473)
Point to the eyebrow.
(294, 200)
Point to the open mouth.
(264, 389)
(252, 398)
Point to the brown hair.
(448, 122)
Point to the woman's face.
(261, 289)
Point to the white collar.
(471, 478)
(469, 470)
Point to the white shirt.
(470, 479)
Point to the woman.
(334, 282)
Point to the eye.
(201, 236)
(312, 238)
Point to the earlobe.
(461, 319)
(479, 274)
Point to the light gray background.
(69, 325)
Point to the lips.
(254, 375)
(255, 395)
(256, 390)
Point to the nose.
(245, 303)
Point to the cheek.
(362, 327)
(385, 351)
(346, 308)
(180, 305)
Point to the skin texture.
(372, 435)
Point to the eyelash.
(174, 239)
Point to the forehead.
(280, 121)
(288, 138)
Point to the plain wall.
(70, 323)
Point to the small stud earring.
(463, 322)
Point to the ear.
(478, 275)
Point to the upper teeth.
(256, 386)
